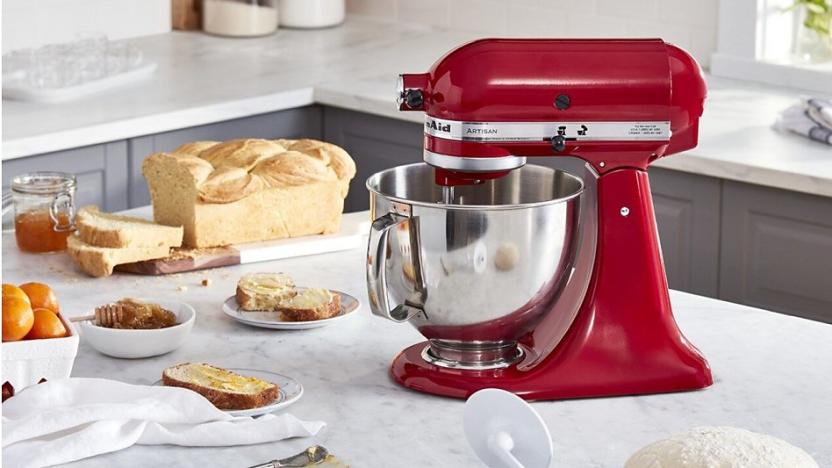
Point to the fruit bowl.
(29, 362)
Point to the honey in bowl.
(35, 232)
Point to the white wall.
(32, 23)
(690, 24)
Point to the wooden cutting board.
(354, 226)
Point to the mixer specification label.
(543, 131)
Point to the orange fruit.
(18, 318)
(47, 325)
(41, 296)
(10, 290)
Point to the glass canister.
(44, 210)
(239, 18)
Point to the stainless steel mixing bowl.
(474, 275)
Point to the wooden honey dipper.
(108, 315)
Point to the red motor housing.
(612, 102)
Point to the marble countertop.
(204, 79)
(773, 374)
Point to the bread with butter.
(277, 292)
(310, 304)
(249, 189)
(264, 291)
(224, 389)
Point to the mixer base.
(410, 370)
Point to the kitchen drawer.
(304, 122)
(375, 143)
(687, 208)
(101, 171)
(777, 250)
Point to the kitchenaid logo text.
(435, 126)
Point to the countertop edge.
(156, 123)
(698, 164)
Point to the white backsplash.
(690, 24)
(33, 23)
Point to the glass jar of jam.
(44, 210)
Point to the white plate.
(265, 319)
(289, 391)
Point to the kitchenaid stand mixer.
(526, 278)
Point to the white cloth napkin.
(811, 117)
(65, 420)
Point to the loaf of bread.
(249, 190)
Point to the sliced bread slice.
(100, 261)
(264, 291)
(225, 389)
(117, 231)
(310, 304)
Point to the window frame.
(742, 42)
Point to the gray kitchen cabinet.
(303, 122)
(376, 143)
(777, 250)
(687, 208)
(101, 172)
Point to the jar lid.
(43, 183)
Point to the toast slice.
(117, 231)
(100, 261)
(310, 304)
(225, 389)
(264, 291)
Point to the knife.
(311, 456)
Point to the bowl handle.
(376, 269)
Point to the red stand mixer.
(523, 277)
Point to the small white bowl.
(134, 344)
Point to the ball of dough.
(724, 447)
(507, 256)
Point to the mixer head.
(492, 103)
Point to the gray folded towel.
(812, 118)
